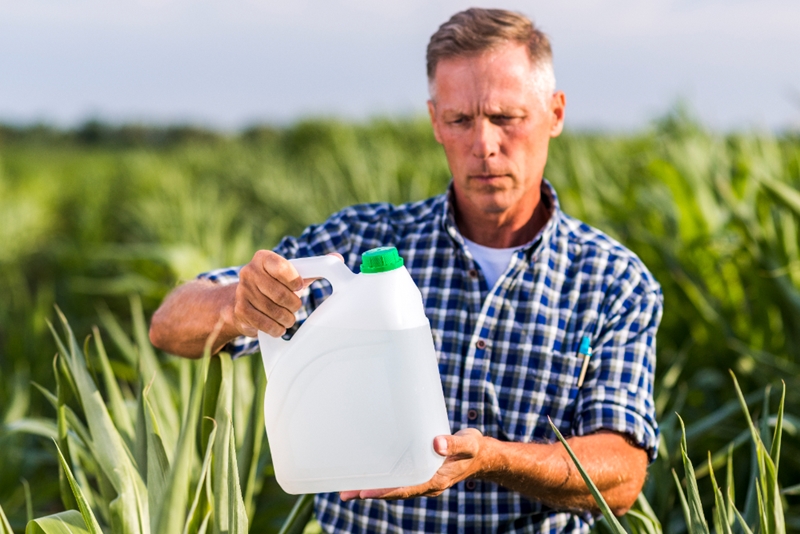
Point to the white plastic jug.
(354, 399)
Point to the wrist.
(514, 465)
(492, 459)
(230, 326)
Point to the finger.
(251, 304)
(440, 445)
(272, 299)
(280, 269)
(349, 495)
(278, 293)
(463, 443)
(251, 319)
(393, 493)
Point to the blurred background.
(227, 65)
(143, 142)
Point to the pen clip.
(585, 350)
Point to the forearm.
(546, 473)
(188, 316)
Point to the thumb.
(461, 443)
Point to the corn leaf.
(5, 526)
(163, 402)
(210, 395)
(751, 508)
(157, 463)
(193, 518)
(170, 516)
(140, 435)
(35, 426)
(785, 194)
(775, 452)
(642, 506)
(118, 335)
(116, 403)
(773, 511)
(598, 497)
(743, 404)
(67, 498)
(731, 494)
(222, 451)
(129, 509)
(237, 514)
(204, 525)
(742, 522)
(697, 522)
(28, 500)
(762, 511)
(86, 512)
(69, 522)
(763, 426)
(721, 522)
(300, 515)
(253, 441)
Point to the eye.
(461, 119)
(504, 119)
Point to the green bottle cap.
(380, 260)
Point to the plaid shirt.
(508, 355)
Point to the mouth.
(492, 181)
(488, 177)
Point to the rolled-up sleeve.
(618, 392)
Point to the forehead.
(502, 76)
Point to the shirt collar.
(545, 234)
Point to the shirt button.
(472, 414)
(473, 273)
(470, 485)
(481, 344)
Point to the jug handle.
(328, 267)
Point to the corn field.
(101, 433)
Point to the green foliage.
(770, 515)
(122, 470)
(91, 216)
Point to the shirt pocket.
(543, 384)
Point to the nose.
(486, 142)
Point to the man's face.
(494, 129)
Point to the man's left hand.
(462, 452)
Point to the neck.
(503, 229)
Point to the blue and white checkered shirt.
(508, 355)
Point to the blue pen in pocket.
(586, 352)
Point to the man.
(511, 286)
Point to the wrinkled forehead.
(495, 76)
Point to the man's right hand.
(264, 299)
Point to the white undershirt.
(492, 261)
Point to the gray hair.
(477, 30)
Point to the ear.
(434, 121)
(558, 103)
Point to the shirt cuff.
(616, 410)
(224, 277)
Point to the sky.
(230, 64)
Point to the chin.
(494, 205)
